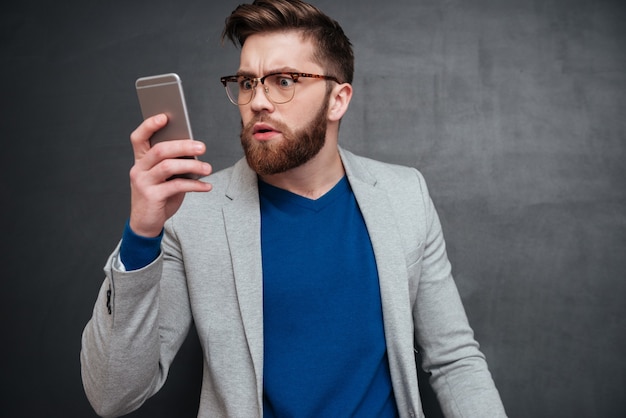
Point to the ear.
(339, 101)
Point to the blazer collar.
(389, 250)
(242, 221)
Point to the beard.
(296, 148)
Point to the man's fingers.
(180, 167)
(140, 137)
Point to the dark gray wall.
(513, 110)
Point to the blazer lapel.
(243, 229)
(380, 220)
(389, 252)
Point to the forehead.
(276, 51)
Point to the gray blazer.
(209, 273)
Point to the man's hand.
(154, 198)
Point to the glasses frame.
(256, 80)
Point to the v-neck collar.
(281, 197)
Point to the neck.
(314, 178)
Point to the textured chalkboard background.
(515, 111)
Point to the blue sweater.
(325, 353)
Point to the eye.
(284, 81)
(245, 84)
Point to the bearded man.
(312, 276)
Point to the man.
(311, 275)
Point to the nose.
(261, 102)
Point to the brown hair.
(333, 48)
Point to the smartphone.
(164, 94)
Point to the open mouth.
(263, 128)
(263, 131)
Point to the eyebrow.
(250, 74)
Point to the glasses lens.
(239, 90)
(280, 88)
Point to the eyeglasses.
(278, 87)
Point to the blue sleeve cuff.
(137, 252)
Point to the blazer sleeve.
(139, 321)
(459, 372)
